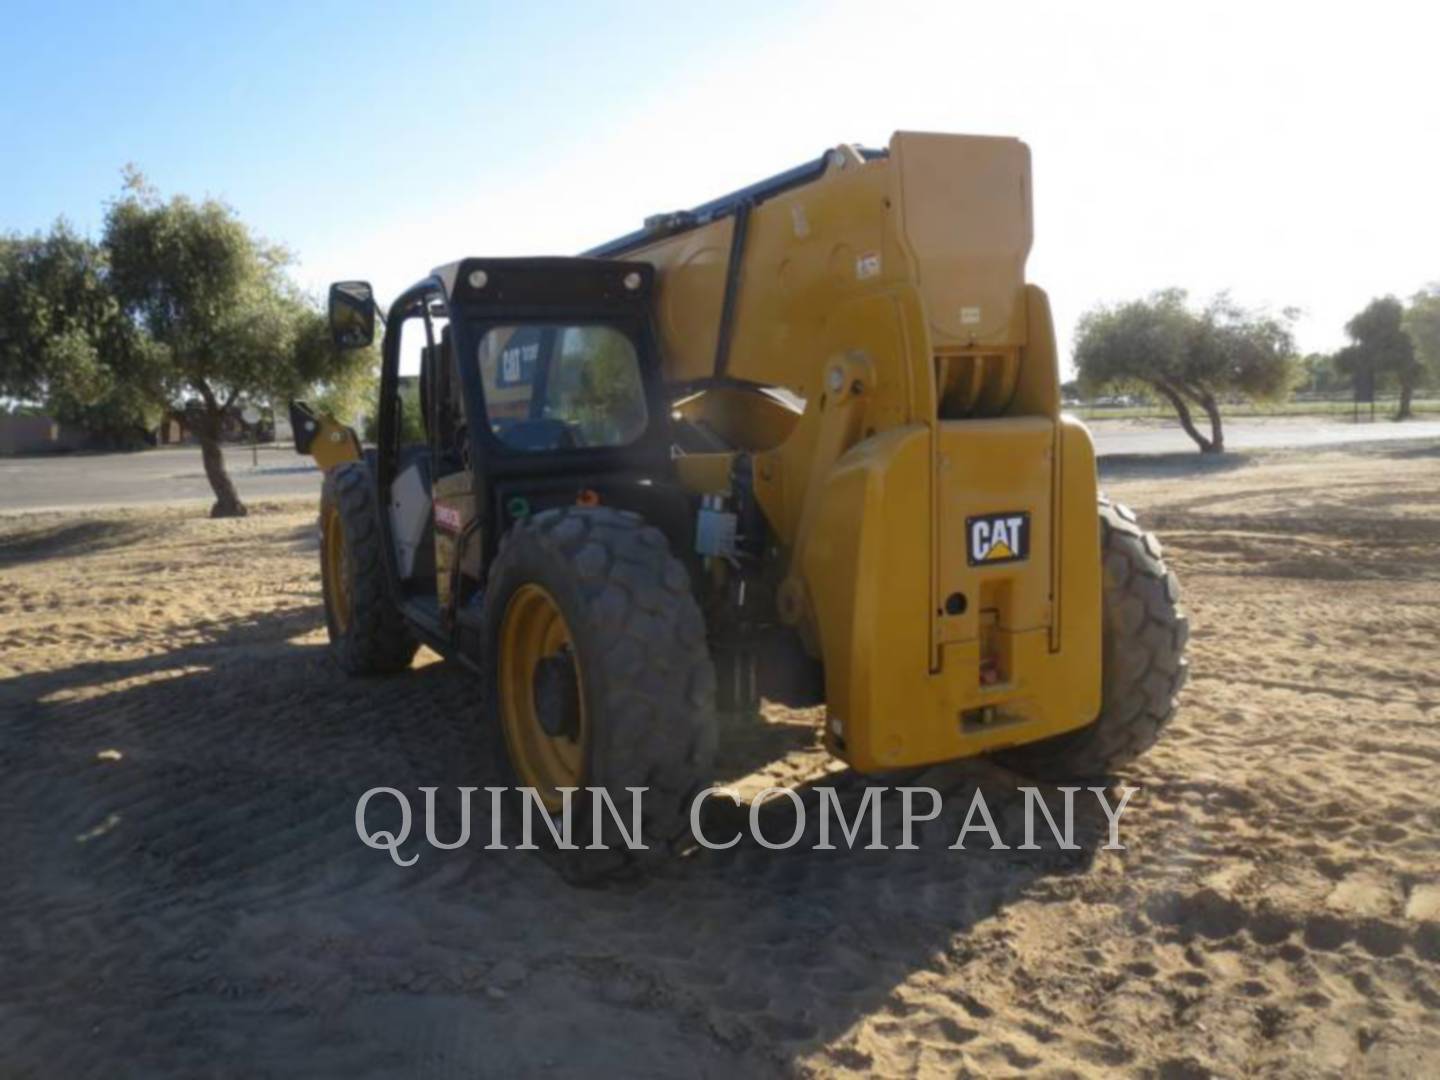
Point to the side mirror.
(352, 314)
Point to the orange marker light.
(588, 498)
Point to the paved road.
(169, 475)
(1112, 438)
(174, 475)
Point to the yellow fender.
(323, 437)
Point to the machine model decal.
(517, 365)
(998, 538)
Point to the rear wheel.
(1143, 658)
(367, 632)
(599, 676)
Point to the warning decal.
(448, 518)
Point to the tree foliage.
(178, 307)
(1192, 359)
(1318, 373)
(1381, 353)
(227, 324)
(64, 340)
(1422, 323)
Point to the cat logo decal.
(997, 538)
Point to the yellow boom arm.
(937, 514)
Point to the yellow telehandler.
(802, 442)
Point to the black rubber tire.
(644, 662)
(1143, 659)
(376, 641)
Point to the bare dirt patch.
(185, 892)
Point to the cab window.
(562, 387)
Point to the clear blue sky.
(1285, 151)
(314, 118)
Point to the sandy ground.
(183, 891)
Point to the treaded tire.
(1143, 659)
(374, 639)
(648, 680)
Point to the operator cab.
(538, 386)
(561, 386)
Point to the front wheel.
(599, 676)
(1142, 656)
(368, 635)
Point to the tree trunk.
(1407, 390)
(1182, 410)
(1217, 436)
(227, 500)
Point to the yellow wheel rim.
(542, 697)
(337, 582)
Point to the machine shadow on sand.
(157, 801)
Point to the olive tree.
(227, 323)
(1381, 352)
(1422, 323)
(1192, 359)
(65, 344)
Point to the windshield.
(560, 387)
